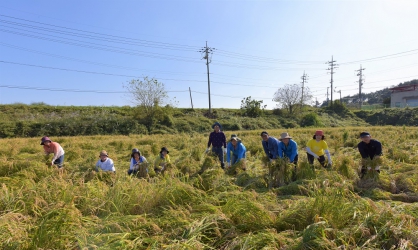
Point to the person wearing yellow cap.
(316, 148)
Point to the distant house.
(404, 96)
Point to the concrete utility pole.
(332, 66)
(208, 52)
(191, 100)
(327, 97)
(360, 83)
(339, 91)
(304, 79)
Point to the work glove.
(207, 150)
(225, 150)
(229, 164)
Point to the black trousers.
(321, 159)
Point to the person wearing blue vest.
(288, 148)
(237, 149)
(270, 146)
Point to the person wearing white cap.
(370, 149)
(288, 148)
(237, 149)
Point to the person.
(54, 148)
(288, 148)
(370, 149)
(105, 163)
(237, 148)
(136, 160)
(218, 140)
(316, 148)
(162, 160)
(270, 146)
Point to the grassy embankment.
(42, 208)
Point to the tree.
(290, 97)
(147, 93)
(252, 108)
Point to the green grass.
(196, 205)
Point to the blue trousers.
(59, 162)
(218, 151)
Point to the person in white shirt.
(105, 163)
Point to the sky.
(83, 53)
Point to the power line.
(106, 35)
(91, 62)
(91, 72)
(76, 90)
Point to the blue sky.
(89, 49)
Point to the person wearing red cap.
(56, 149)
(316, 148)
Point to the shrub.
(310, 120)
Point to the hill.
(37, 120)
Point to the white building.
(404, 96)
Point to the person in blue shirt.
(237, 149)
(288, 148)
(270, 146)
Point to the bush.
(310, 120)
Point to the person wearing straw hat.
(136, 160)
(270, 146)
(55, 148)
(105, 163)
(370, 149)
(237, 148)
(162, 160)
(288, 148)
(218, 140)
(316, 148)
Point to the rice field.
(197, 205)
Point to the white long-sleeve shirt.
(106, 165)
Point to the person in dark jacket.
(370, 150)
(270, 146)
(218, 140)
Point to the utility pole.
(339, 91)
(360, 83)
(332, 66)
(304, 79)
(327, 97)
(208, 52)
(191, 100)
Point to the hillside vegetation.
(38, 120)
(196, 205)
